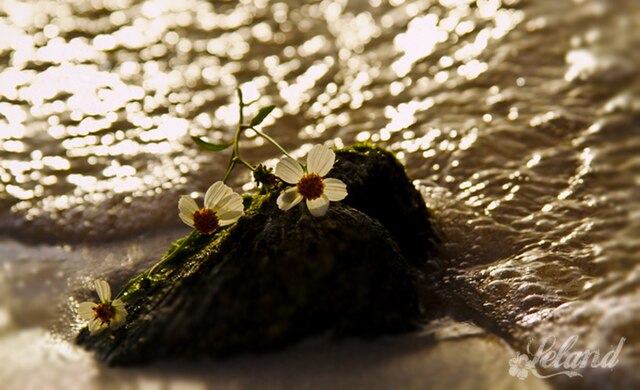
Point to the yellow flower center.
(311, 186)
(104, 312)
(206, 221)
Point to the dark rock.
(277, 277)
(378, 186)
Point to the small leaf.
(209, 146)
(261, 115)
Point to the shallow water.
(519, 121)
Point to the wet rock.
(277, 277)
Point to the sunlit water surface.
(519, 120)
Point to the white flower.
(103, 315)
(520, 366)
(222, 207)
(310, 184)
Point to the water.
(518, 120)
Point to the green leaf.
(209, 146)
(261, 115)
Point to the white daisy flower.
(310, 184)
(222, 207)
(103, 315)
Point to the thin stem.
(246, 163)
(236, 139)
(232, 163)
(235, 157)
(268, 138)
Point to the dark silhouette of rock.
(379, 187)
(277, 277)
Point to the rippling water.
(519, 121)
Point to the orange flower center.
(104, 312)
(311, 186)
(206, 221)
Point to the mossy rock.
(276, 277)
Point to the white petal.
(187, 219)
(289, 198)
(187, 207)
(229, 217)
(85, 311)
(232, 202)
(120, 314)
(320, 160)
(335, 189)
(104, 290)
(230, 214)
(229, 209)
(96, 326)
(289, 170)
(216, 192)
(318, 207)
(117, 303)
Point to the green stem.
(235, 157)
(232, 163)
(236, 139)
(273, 141)
(246, 163)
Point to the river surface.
(519, 121)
